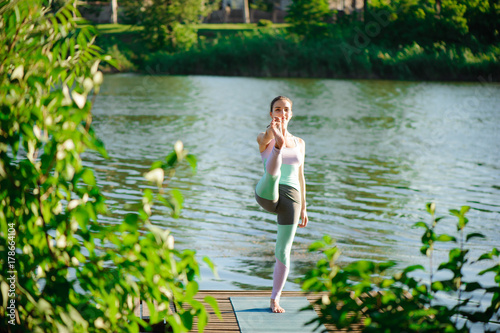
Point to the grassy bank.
(271, 52)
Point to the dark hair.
(280, 98)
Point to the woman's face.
(282, 109)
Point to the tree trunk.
(114, 11)
(274, 11)
(246, 12)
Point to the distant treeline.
(270, 53)
(403, 39)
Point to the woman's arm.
(302, 181)
(264, 138)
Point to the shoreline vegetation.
(271, 51)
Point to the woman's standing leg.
(284, 240)
(288, 220)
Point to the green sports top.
(291, 162)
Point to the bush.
(272, 53)
(310, 18)
(121, 61)
(264, 23)
(62, 270)
(360, 294)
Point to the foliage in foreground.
(61, 270)
(359, 294)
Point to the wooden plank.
(229, 322)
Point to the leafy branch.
(361, 294)
(74, 273)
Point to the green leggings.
(283, 200)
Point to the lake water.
(377, 151)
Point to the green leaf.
(430, 207)
(474, 235)
(192, 161)
(81, 216)
(382, 266)
(171, 159)
(421, 224)
(215, 306)
(175, 322)
(156, 165)
(148, 195)
(462, 222)
(495, 269)
(464, 210)
(437, 285)
(316, 246)
(473, 286)
(424, 249)
(177, 200)
(55, 25)
(485, 256)
(386, 283)
(191, 289)
(131, 219)
(88, 177)
(211, 265)
(414, 268)
(446, 238)
(187, 320)
(98, 145)
(439, 218)
(202, 320)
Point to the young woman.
(282, 189)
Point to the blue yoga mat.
(254, 315)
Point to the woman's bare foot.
(276, 128)
(275, 306)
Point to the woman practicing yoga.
(282, 189)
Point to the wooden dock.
(229, 322)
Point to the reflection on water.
(377, 151)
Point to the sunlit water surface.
(376, 152)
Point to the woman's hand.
(264, 138)
(303, 217)
(277, 131)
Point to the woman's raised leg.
(268, 186)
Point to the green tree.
(310, 18)
(483, 19)
(61, 270)
(422, 21)
(168, 24)
(264, 5)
